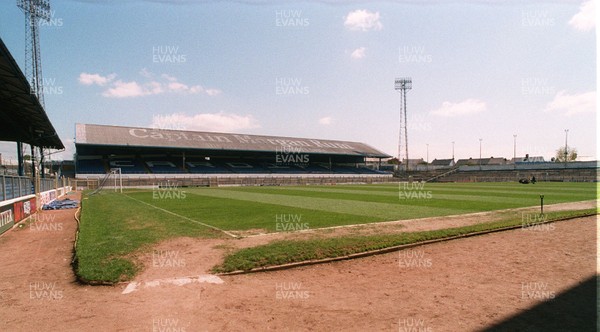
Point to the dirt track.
(468, 284)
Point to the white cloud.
(466, 107)
(585, 19)
(168, 77)
(325, 121)
(213, 92)
(573, 104)
(220, 122)
(358, 53)
(122, 89)
(90, 79)
(165, 84)
(363, 20)
(178, 87)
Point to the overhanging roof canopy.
(22, 117)
(99, 135)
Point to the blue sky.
(325, 69)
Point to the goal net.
(112, 180)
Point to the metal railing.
(15, 186)
(12, 186)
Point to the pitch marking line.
(184, 217)
(178, 281)
(589, 204)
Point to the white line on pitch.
(179, 281)
(184, 217)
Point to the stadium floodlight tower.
(403, 84)
(35, 11)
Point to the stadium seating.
(344, 170)
(128, 166)
(245, 168)
(316, 169)
(167, 165)
(164, 166)
(91, 166)
(206, 167)
(284, 169)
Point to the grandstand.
(23, 119)
(150, 153)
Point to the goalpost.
(117, 173)
(118, 181)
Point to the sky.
(480, 69)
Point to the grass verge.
(113, 227)
(292, 251)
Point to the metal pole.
(427, 156)
(405, 130)
(515, 148)
(32, 161)
(20, 162)
(542, 204)
(480, 153)
(566, 145)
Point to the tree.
(560, 155)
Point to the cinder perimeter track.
(521, 278)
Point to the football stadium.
(175, 229)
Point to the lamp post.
(515, 147)
(515, 151)
(452, 151)
(481, 139)
(427, 156)
(566, 146)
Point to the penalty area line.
(183, 217)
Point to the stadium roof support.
(22, 117)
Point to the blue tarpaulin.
(60, 205)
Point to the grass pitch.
(243, 208)
(114, 226)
